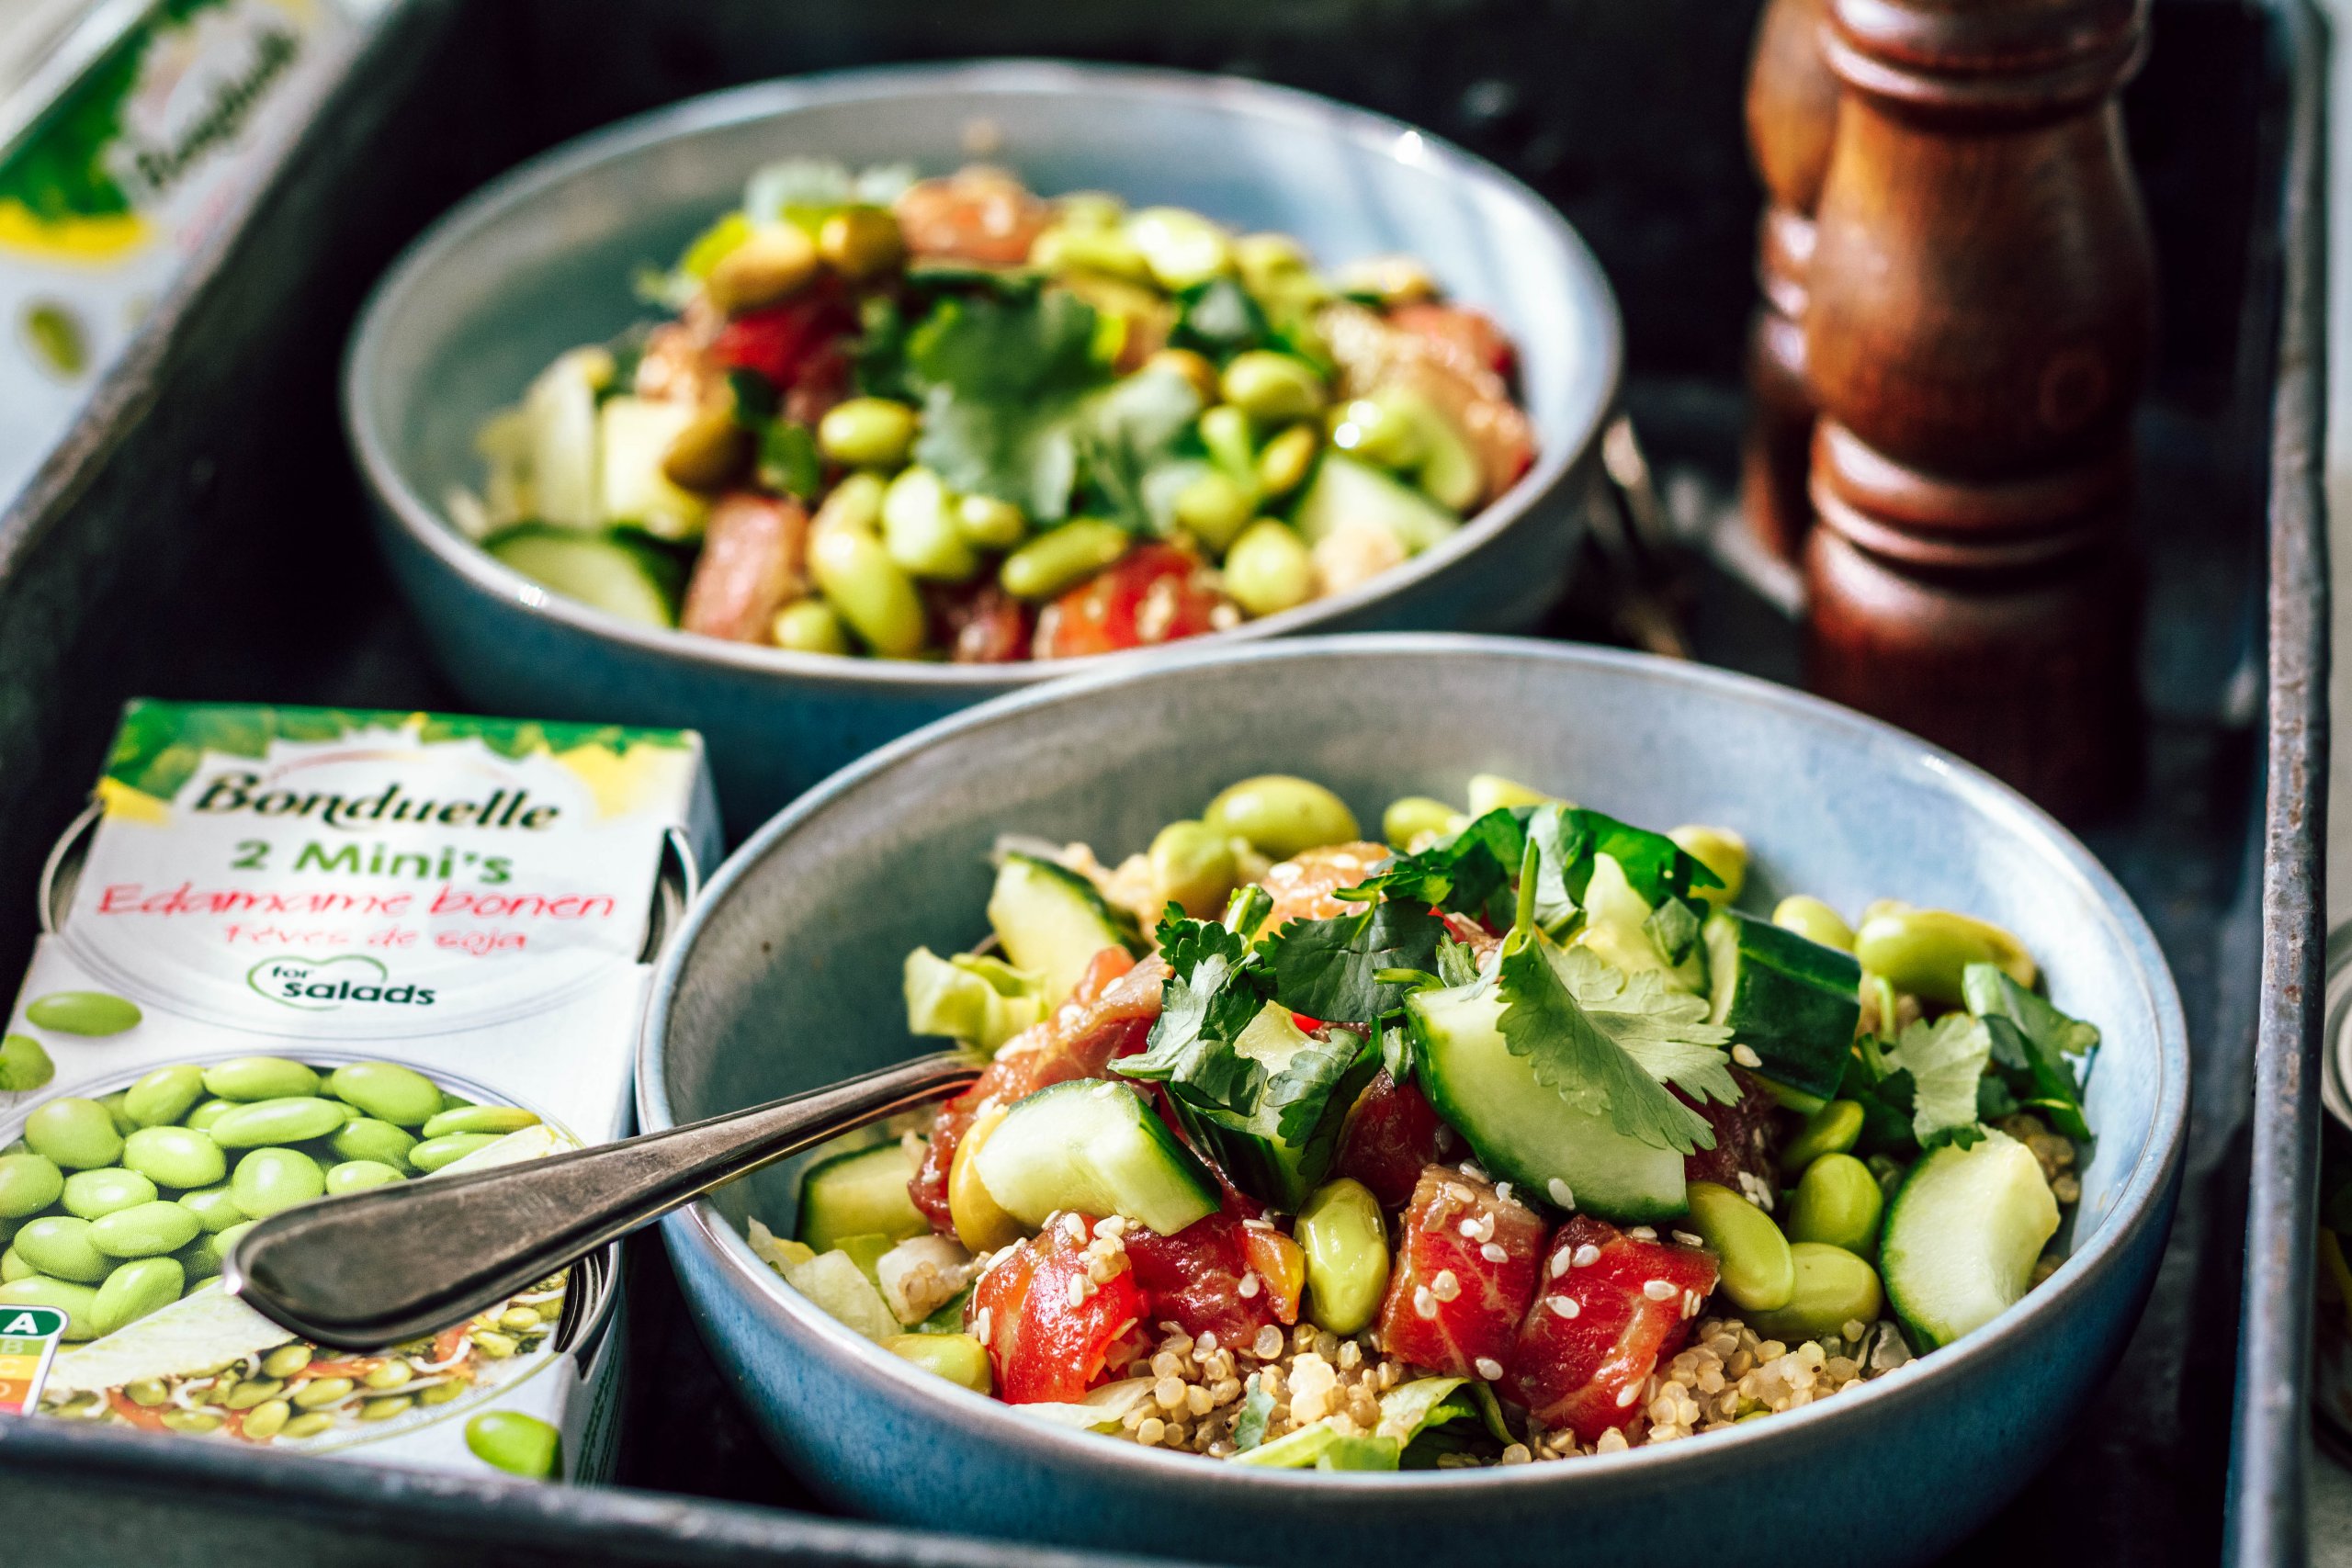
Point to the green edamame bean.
(440, 1393)
(1832, 1130)
(322, 1391)
(959, 1358)
(1225, 431)
(1179, 246)
(1814, 921)
(919, 532)
(1062, 558)
(79, 1134)
(1924, 952)
(309, 1425)
(200, 1119)
(1834, 1287)
(1347, 1256)
(175, 1156)
(164, 1095)
(434, 1153)
(1191, 863)
(290, 1120)
(1492, 791)
(14, 1268)
(92, 1194)
(145, 1230)
(28, 1183)
(135, 1289)
(384, 1409)
(388, 1375)
(214, 1208)
(83, 1012)
(1283, 465)
(367, 1138)
(286, 1360)
(1379, 433)
(1282, 815)
(201, 1259)
(267, 1420)
(1838, 1204)
(515, 1443)
(387, 1091)
(253, 1393)
(1214, 507)
(78, 1302)
(989, 523)
(60, 1246)
(1758, 1272)
(1722, 851)
(267, 1180)
(359, 1174)
(481, 1119)
(192, 1422)
(1269, 570)
(1412, 818)
(248, 1078)
(867, 433)
(123, 1125)
(24, 1065)
(1271, 388)
(808, 625)
(868, 590)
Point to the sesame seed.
(1560, 1194)
(1469, 1229)
(1073, 1227)
(1077, 1291)
(1493, 1252)
(981, 1325)
(1489, 1369)
(1445, 1287)
(1627, 1394)
(1585, 1257)
(1563, 1306)
(1502, 1191)
(1472, 1169)
(1560, 1261)
(1687, 1239)
(1746, 1056)
(1207, 1343)
(1424, 1304)
(1248, 1289)
(1643, 1232)
(1658, 1289)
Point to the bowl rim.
(1594, 391)
(1911, 1391)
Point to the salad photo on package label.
(1511, 1138)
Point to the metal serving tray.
(200, 536)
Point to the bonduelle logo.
(327, 985)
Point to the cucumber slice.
(1962, 1239)
(1094, 1146)
(1260, 1162)
(1053, 921)
(1449, 470)
(600, 571)
(1524, 1131)
(1790, 999)
(1348, 491)
(861, 1194)
(633, 434)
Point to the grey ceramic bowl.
(787, 976)
(540, 259)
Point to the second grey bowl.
(786, 976)
(541, 261)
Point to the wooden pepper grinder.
(1980, 317)
(1791, 116)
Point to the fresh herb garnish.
(2031, 1043)
(1212, 994)
(1944, 1059)
(1329, 969)
(1002, 383)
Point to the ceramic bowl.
(788, 977)
(541, 259)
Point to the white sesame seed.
(1560, 1261)
(1472, 1169)
(1445, 1287)
(1493, 1252)
(1424, 1304)
(1073, 1227)
(1248, 1289)
(1469, 1229)
(1560, 1194)
(1489, 1369)
(1077, 1291)
(1626, 1395)
(981, 1325)
(1563, 1306)
(1643, 1232)
(1687, 1239)
(1502, 1188)
(1658, 1289)
(1207, 1343)
(1746, 1056)
(1585, 1257)
(1108, 1091)
(1692, 1302)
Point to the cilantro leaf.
(1208, 999)
(1575, 1056)
(1257, 1410)
(1944, 1058)
(1219, 318)
(1296, 1097)
(1465, 873)
(1666, 1031)
(1002, 383)
(2031, 1041)
(1673, 929)
(1655, 865)
(1124, 434)
(1327, 969)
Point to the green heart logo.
(321, 985)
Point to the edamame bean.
(175, 1156)
(1271, 388)
(192, 1422)
(1225, 431)
(1062, 558)
(28, 1183)
(868, 433)
(712, 449)
(1269, 570)
(1492, 791)
(1924, 952)
(919, 529)
(200, 1119)
(481, 1119)
(78, 1302)
(959, 1358)
(123, 1125)
(1814, 921)
(359, 1174)
(286, 1360)
(79, 1134)
(267, 1180)
(385, 1408)
(1214, 507)
(83, 1012)
(1193, 864)
(1282, 815)
(291, 1120)
(387, 1091)
(24, 1065)
(322, 1391)
(1834, 1287)
(309, 1425)
(135, 1289)
(1378, 433)
(1722, 851)
(1832, 1130)
(868, 590)
(388, 1375)
(365, 1138)
(989, 523)
(860, 242)
(214, 1208)
(1283, 465)
(515, 1443)
(1758, 1272)
(247, 1078)
(1838, 1204)
(1192, 368)
(92, 1194)
(14, 1268)
(253, 1393)
(776, 261)
(201, 1259)
(808, 625)
(434, 1153)
(1414, 819)
(1181, 247)
(440, 1393)
(145, 1230)
(1347, 1256)
(164, 1095)
(59, 1245)
(981, 1223)
(267, 1420)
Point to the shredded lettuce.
(982, 1001)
